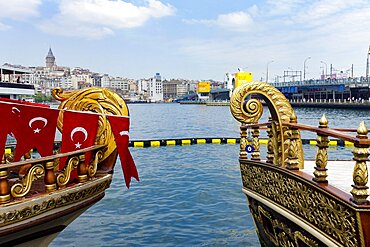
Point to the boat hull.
(36, 222)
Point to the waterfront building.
(81, 78)
(155, 88)
(170, 89)
(132, 87)
(120, 83)
(174, 88)
(183, 88)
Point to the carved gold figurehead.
(285, 143)
(99, 100)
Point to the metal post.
(326, 69)
(367, 66)
(267, 71)
(304, 68)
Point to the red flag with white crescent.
(5, 113)
(120, 128)
(79, 131)
(33, 127)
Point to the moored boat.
(40, 196)
(289, 206)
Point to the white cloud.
(237, 21)
(4, 27)
(101, 17)
(19, 9)
(283, 7)
(333, 31)
(240, 21)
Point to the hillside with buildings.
(153, 89)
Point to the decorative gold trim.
(4, 198)
(65, 175)
(82, 178)
(3, 173)
(360, 172)
(21, 189)
(94, 164)
(322, 153)
(35, 209)
(304, 201)
(309, 242)
(256, 144)
(272, 235)
(50, 187)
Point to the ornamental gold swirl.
(92, 168)
(65, 175)
(21, 189)
(270, 94)
(251, 111)
(98, 100)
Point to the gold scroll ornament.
(249, 110)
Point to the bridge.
(343, 88)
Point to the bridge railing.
(360, 81)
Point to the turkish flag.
(33, 127)
(120, 128)
(79, 131)
(5, 113)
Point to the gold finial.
(323, 123)
(362, 130)
(293, 117)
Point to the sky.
(188, 39)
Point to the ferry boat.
(43, 191)
(11, 85)
(289, 206)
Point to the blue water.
(188, 195)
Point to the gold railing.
(360, 141)
(14, 185)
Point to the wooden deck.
(339, 173)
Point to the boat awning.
(7, 70)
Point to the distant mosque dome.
(50, 59)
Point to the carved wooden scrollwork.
(65, 175)
(21, 189)
(249, 110)
(94, 165)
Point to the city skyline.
(188, 39)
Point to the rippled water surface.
(188, 195)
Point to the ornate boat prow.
(40, 196)
(290, 207)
